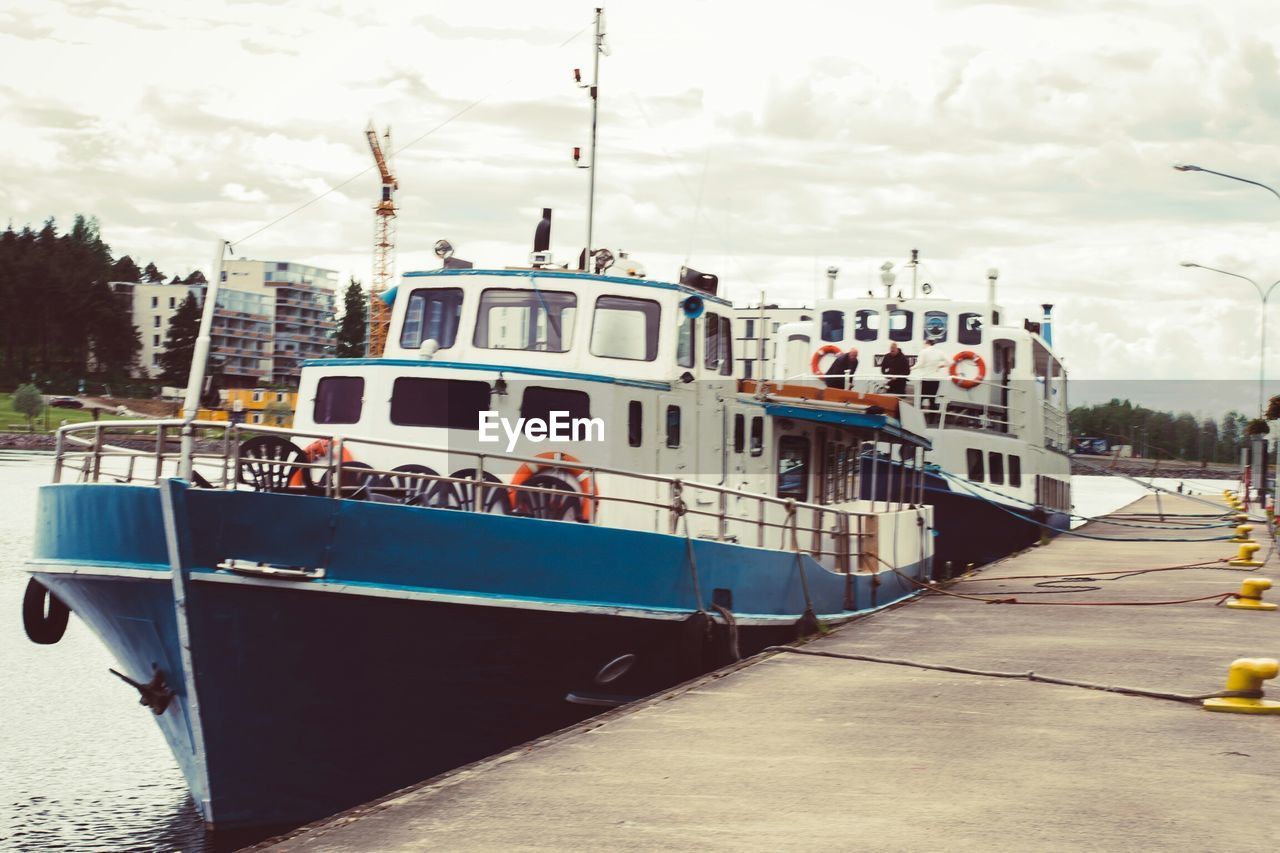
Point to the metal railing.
(148, 451)
(951, 412)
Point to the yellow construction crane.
(384, 244)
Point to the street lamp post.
(1190, 167)
(1265, 296)
(1187, 167)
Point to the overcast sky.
(762, 143)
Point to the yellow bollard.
(1245, 557)
(1251, 595)
(1247, 674)
(1242, 533)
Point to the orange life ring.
(524, 472)
(826, 349)
(968, 355)
(314, 451)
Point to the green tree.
(196, 277)
(152, 274)
(180, 341)
(1229, 438)
(58, 315)
(350, 341)
(277, 413)
(27, 400)
(125, 270)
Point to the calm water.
(82, 765)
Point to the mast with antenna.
(598, 47)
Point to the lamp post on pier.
(1265, 296)
(1190, 167)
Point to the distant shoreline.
(26, 441)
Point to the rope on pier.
(1024, 676)
(1031, 520)
(1076, 460)
(1031, 504)
(1217, 598)
(1050, 584)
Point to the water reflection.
(84, 766)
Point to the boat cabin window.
(935, 326)
(432, 315)
(793, 468)
(757, 436)
(970, 331)
(338, 400)
(726, 346)
(447, 403)
(900, 323)
(711, 353)
(995, 469)
(540, 401)
(625, 328)
(739, 433)
(974, 458)
(866, 325)
(833, 326)
(635, 423)
(684, 344)
(1015, 470)
(673, 426)
(537, 320)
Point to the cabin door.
(712, 424)
(676, 424)
(1002, 368)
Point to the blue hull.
(433, 639)
(970, 529)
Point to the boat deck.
(789, 751)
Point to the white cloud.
(1031, 136)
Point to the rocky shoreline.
(1147, 468)
(26, 441)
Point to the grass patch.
(11, 421)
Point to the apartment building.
(302, 310)
(271, 315)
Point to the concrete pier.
(799, 752)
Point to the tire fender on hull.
(45, 624)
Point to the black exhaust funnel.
(542, 235)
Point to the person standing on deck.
(896, 366)
(840, 373)
(930, 366)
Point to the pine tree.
(152, 274)
(180, 341)
(196, 277)
(350, 341)
(125, 270)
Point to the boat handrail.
(884, 378)
(683, 498)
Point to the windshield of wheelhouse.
(534, 320)
(432, 314)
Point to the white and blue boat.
(549, 495)
(998, 472)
